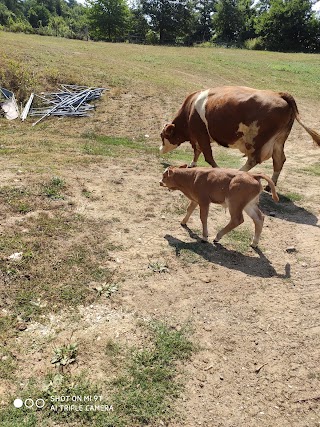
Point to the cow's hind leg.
(258, 218)
(235, 220)
(278, 158)
(190, 209)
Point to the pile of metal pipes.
(71, 101)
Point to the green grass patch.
(54, 188)
(290, 197)
(239, 239)
(99, 145)
(313, 169)
(18, 199)
(225, 158)
(145, 393)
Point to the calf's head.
(168, 178)
(170, 138)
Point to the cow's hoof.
(254, 245)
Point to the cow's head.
(170, 138)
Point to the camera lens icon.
(29, 403)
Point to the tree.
(289, 25)
(108, 19)
(203, 11)
(5, 15)
(227, 21)
(138, 25)
(37, 14)
(170, 19)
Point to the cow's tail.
(292, 103)
(259, 176)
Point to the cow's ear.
(168, 130)
(183, 166)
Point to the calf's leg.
(190, 209)
(235, 220)
(204, 211)
(258, 218)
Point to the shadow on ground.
(218, 254)
(287, 210)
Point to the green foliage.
(108, 19)
(289, 26)
(266, 24)
(171, 20)
(254, 44)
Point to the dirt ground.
(255, 314)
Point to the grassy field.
(91, 298)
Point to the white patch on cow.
(166, 147)
(200, 106)
(246, 142)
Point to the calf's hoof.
(267, 189)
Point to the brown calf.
(237, 190)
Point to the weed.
(158, 267)
(107, 289)
(53, 188)
(64, 356)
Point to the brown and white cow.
(237, 190)
(257, 122)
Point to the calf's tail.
(292, 103)
(259, 176)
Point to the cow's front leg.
(196, 153)
(207, 152)
(204, 211)
(190, 209)
(250, 163)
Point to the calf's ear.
(183, 166)
(168, 130)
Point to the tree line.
(279, 25)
